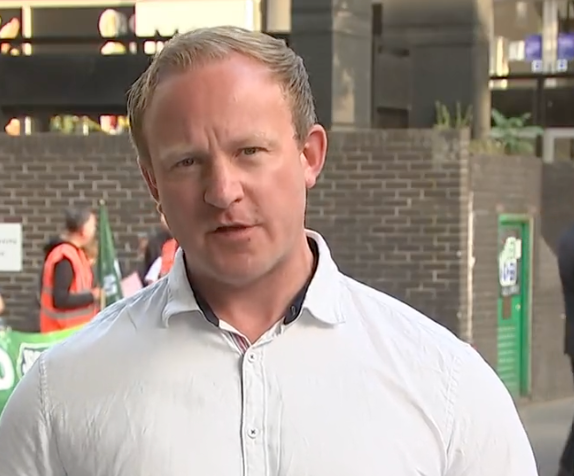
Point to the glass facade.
(532, 36)
(107, 20)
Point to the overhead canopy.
(65, 3)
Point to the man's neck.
(254, 309)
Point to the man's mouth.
(230, 229)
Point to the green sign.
(18, 352)
(109, 275)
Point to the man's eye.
(186, 162)
(250, 150)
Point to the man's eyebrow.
(255, 139)
(182, 151)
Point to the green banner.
(18, 352)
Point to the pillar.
(277, 15)
(550, 28)
(334, 38)
(449, 42)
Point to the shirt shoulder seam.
(45, 405)
(451, 397)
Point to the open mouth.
(230, 230)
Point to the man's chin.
(238, 273)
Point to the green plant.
(513, 134)
(486, 146)
(446, 121)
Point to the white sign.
(536, 66)
(508, 273)
(11, 247)
(7, 374)
(508, 269)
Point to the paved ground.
(548, 425)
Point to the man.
(255, 356)
(566, 269)
(67, 297)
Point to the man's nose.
(223, 186)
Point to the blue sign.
(509, 273)
(565, 46)
(533, 48)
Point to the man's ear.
(313, 154)
(149, 177)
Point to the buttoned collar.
(320, 298)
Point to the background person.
(168, 250)
(68, 298)
(151, 263)
(566, 270)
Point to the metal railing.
(77, 40)
(126, 40)
(539, 80)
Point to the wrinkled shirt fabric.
(358, 384)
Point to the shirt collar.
(320, 298)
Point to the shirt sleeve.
(27, 445)
(487, 435)
(63, 278)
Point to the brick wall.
(500, 185)
(41, 175)
(551, 367)
(394, 206)
(390, 203)
(524, 186)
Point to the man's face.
(227, 168)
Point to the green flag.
(18, 352)
(109, 275)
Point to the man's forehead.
(241, 74)
(182, 110)
(180, 95)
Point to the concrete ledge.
(549, 139)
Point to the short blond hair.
(211, 44)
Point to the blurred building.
(532, 36)
(81, 17)
(527, 36)
(107, 19)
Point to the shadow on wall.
(557, 201)
(556, 214)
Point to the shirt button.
(251, 357)
(252, 433)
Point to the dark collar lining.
(293, 310)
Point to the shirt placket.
(254, 410)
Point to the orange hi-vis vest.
(52, 319)
(167, 256)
